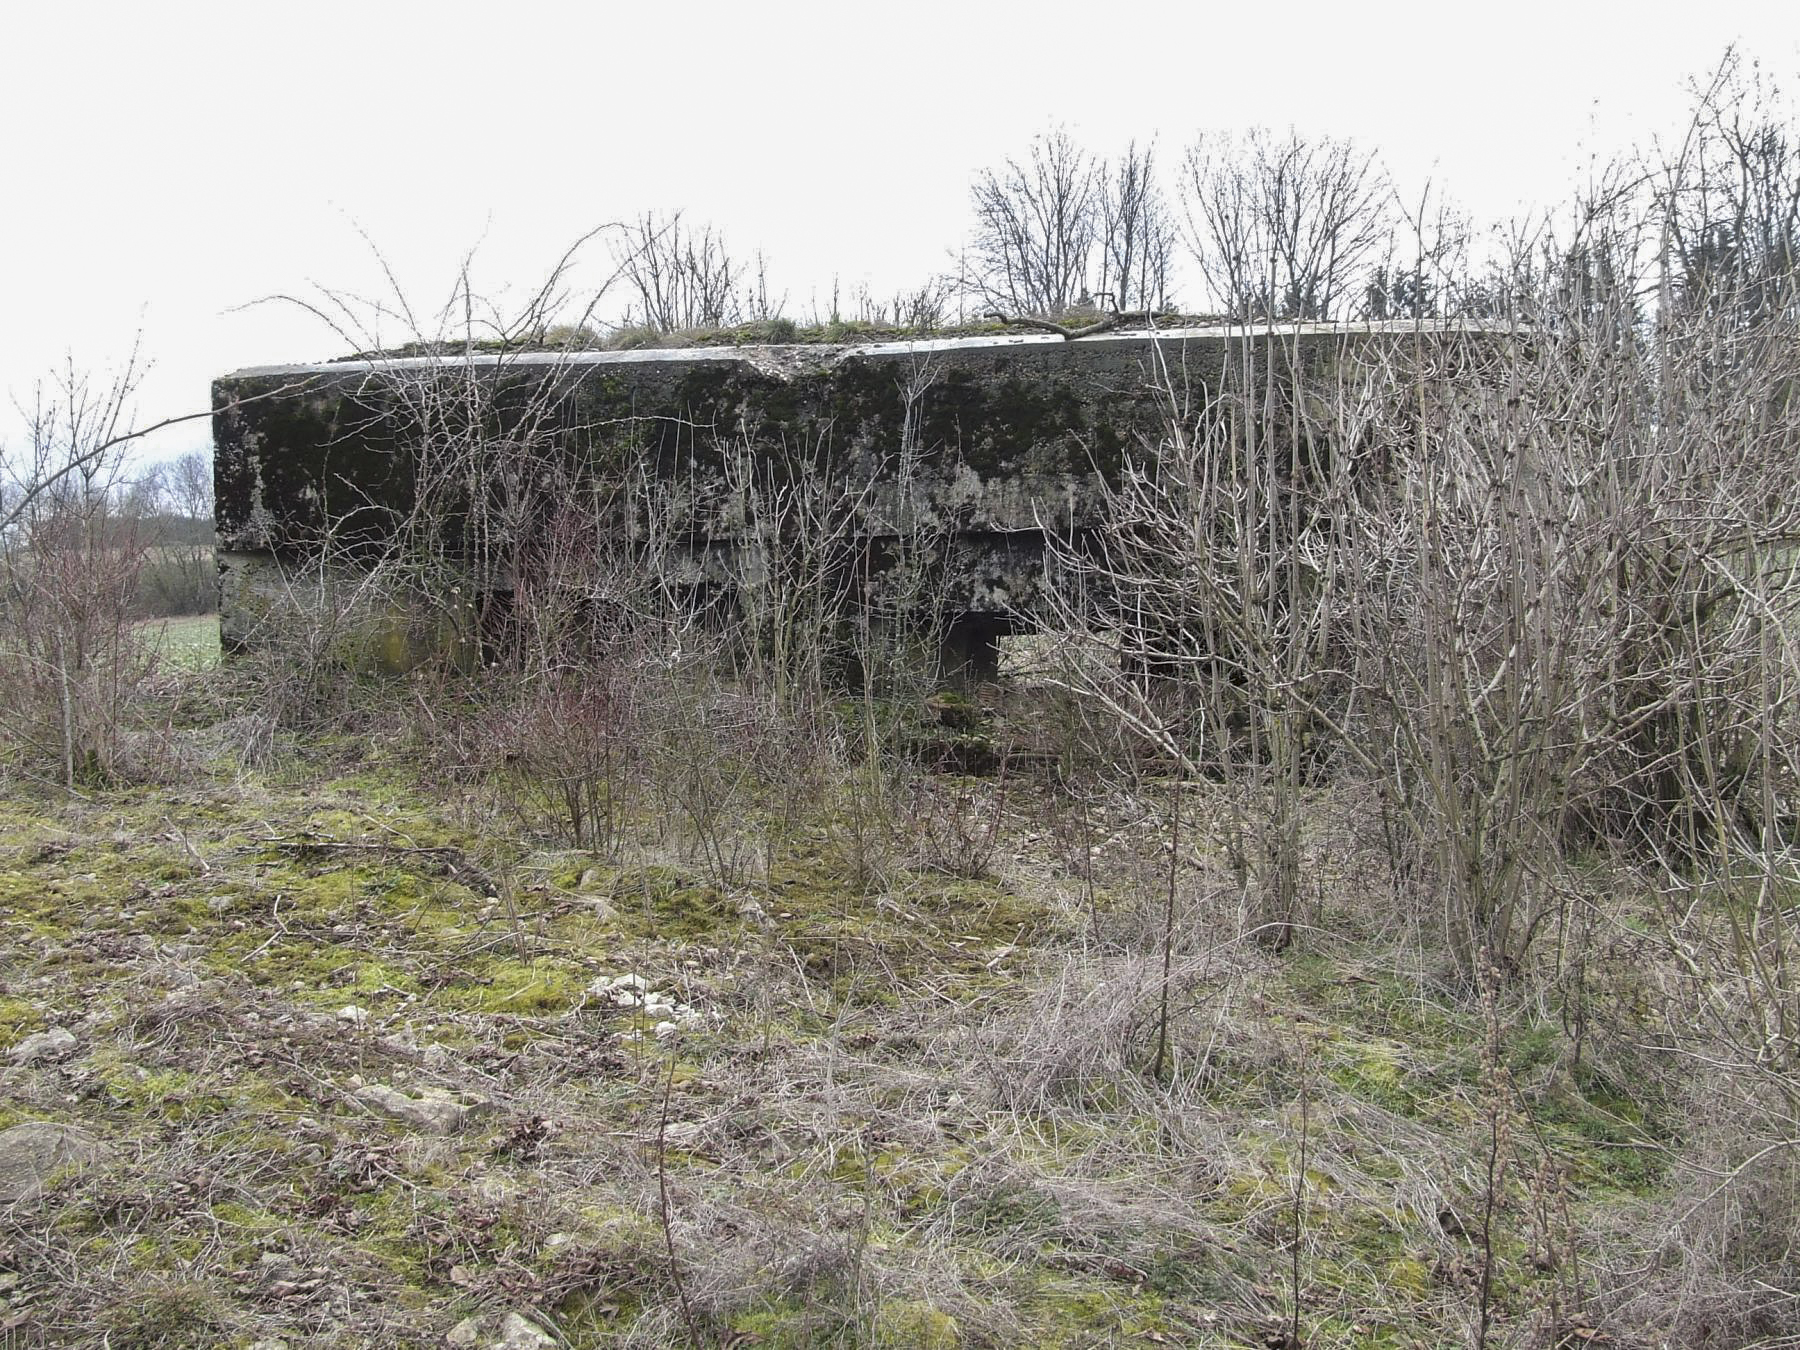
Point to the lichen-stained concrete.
(986, 442)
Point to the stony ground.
(350, 1058)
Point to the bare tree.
(70, 559)
(189, 485)
(1284, 227)
(1731, 200)
(1036, 224)
(1424, 272)
(1216, 576)
(173, 502)
(1137, 235)
(78, 427)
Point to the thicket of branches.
(1529, 587)
(90, 544)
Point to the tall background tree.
(1067, 228)
(1137, 235)
(1282, 226)
(1035, 227)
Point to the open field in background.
(190, 643)
(902, 1106)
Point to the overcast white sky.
(169, 163)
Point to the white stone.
(605, 986)
(53, 1044)
(520, 1333)
(430, 1110)
(511, 1332)
(31, 1152)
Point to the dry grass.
(912, 1110)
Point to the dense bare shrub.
(1528, 584)
(683, 278)
(71, 558)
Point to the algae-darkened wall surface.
(990, 440)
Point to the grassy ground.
(913, 1109)
(189, 643)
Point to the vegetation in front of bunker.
(1198, 1019)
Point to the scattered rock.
(31, 1152)
(276, 1268)
(276, 1344)
(623, 989)
(430, 1110)
(53, 1044)
(492, 1331)
(751, 911)
(352, 1014)
(520, 1333)
(600, 907)
(634, 992)
(594, 890)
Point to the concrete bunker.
(981, 445)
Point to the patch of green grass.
(190, 643)
(19, 1018)
(508, 984)
(915, 1324)
(163, 1312)
(664, 902)
(169, 1094)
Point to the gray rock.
(31, 1152)
(521, 1333)
(430, 1110)
(276, 1268)
(53, 1044)
(491, 1331)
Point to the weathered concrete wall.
(980, 440)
